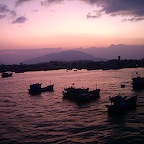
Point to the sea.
(49, 119)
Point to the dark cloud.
(6, 13)
(132, 8)
(4, 8)
(124, 8)
(20, 19)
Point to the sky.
(28, 24)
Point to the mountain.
(17, 56)
(113, 51)
(70, 55)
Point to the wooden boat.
(6, 74)
(36, 89)
(80, 94)
(121, 104)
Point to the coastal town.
(81, 64)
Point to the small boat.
(138, 83)
(121, 104)
(6, 74)
(80, 94)
(36, 89)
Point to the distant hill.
(17, 56)
(113, 51)
(70, 55)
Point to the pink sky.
(70, 23)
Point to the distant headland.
(81, 64)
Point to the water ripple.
(47, 118)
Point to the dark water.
(50, 119)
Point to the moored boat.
(6, 74)
(121, 104)
(80, 94)
(36, 89)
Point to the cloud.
(35, 10)
(42, 2)
(124, 8)
(2, 16)
(3, 11)
(6, 13)
(130, 10)
(19, 2)
(48, 2)
(20, 19)
(94, 15)
(3, 8)
(134, 19)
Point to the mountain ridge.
(17, 56)
(70, 55)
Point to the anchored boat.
(80, 94)
(121, 104)
(37, 89)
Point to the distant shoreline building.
(119, 58)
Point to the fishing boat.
(80, 94)
(121, 104)
(36, 88)
(6, 74)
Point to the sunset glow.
(69, 24)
